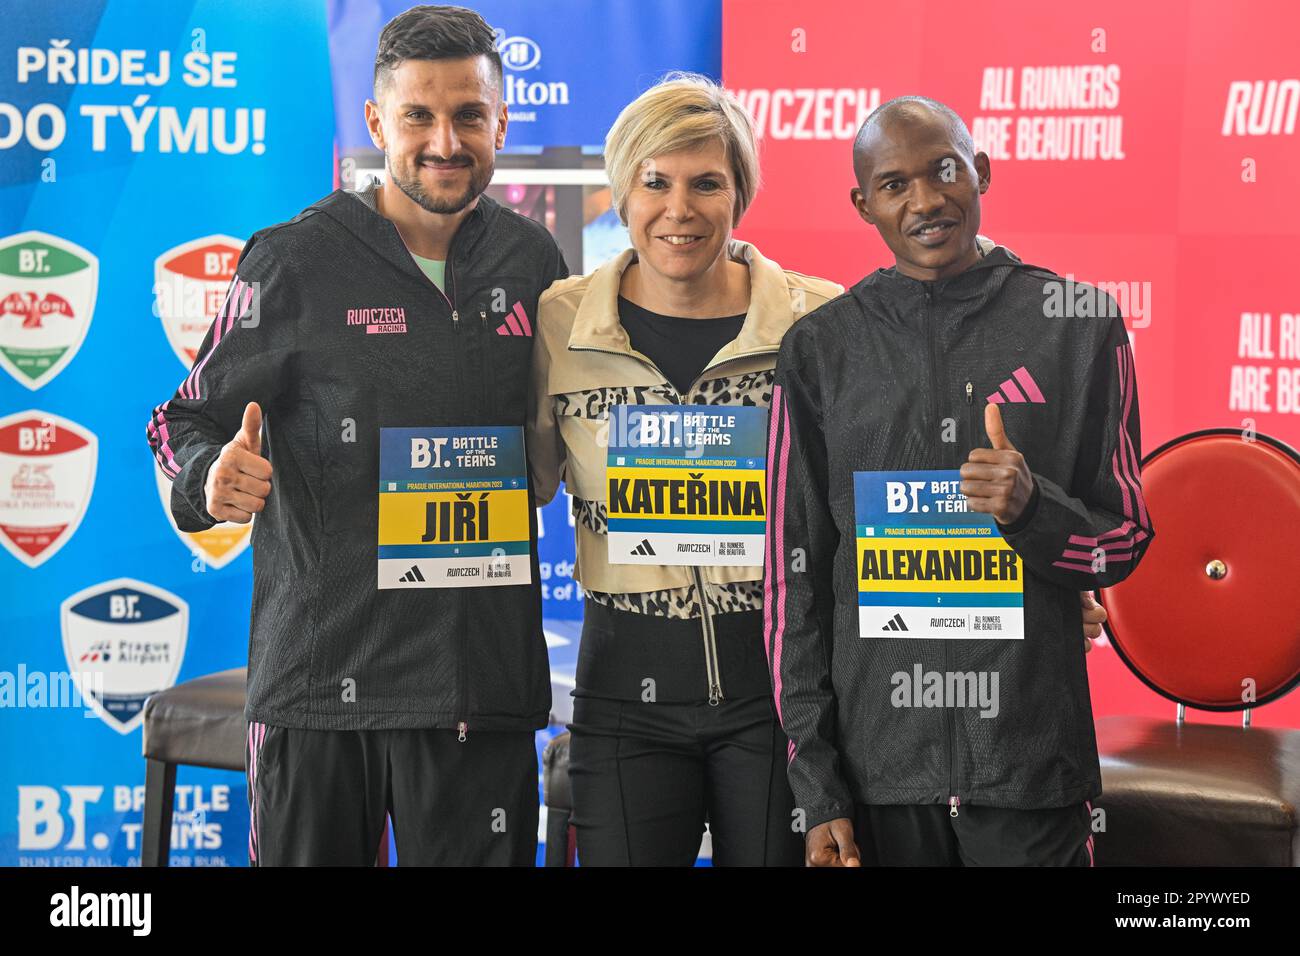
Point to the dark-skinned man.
(379, 334)
(945, 373)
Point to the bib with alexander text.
(927, 566)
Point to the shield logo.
(218, 546)
(47, 297)
(190, 283)
(47, 474)
(124, 640)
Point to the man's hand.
(1094, 616)
(996, 480)
(240, 479)
(831, 844)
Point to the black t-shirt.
(620, 648)
(679, 347)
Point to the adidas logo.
(895, 624)
(644, 548)
(412, 575)
(1021, 387)
(516, 322)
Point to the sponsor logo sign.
(47, 474)
(47, 298)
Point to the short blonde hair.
(682, 111)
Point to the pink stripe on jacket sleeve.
(774, 572)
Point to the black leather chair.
(1210, 620)
(561, 847)
(1179, 794)
(199, 723)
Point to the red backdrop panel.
(1152, 146)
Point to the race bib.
(685, 484)
(927, 566)
(453, 508)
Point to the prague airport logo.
(47, 474)
(190, 284)
(133, 635)
(47, 297)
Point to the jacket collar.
(770, 313)
(992, 258)
(358, 212)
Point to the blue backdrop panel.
(140, 144)
(570, 65)
(234, 135)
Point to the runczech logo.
(517, 53)
(47, 298)
(47, 473)
(219, 545)
(190, 284)
(124, 639)
(379, 319)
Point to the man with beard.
(407, 306)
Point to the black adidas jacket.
(866, 383)
(327, 648)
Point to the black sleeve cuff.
(1026, 516)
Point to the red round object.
(1195, 639)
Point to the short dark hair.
(903, 106)
(434, 33)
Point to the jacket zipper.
(713, 674)
(954, 801)
(970, 414)
(486, 389)
(462, 688)
(710, 642)
(462, 724)
(462, 676)
(940, 383)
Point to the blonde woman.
(687, 316)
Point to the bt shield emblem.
(47, 298)
(125, 639)
(47, 474)
(217, 546)
(190, 284)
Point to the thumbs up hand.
(250, 430)
(996, 480)
(239, 481)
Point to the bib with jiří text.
(453, 507)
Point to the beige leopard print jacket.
(583, 364)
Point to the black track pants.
(978, 836)
(319, 797)
(646, 775)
